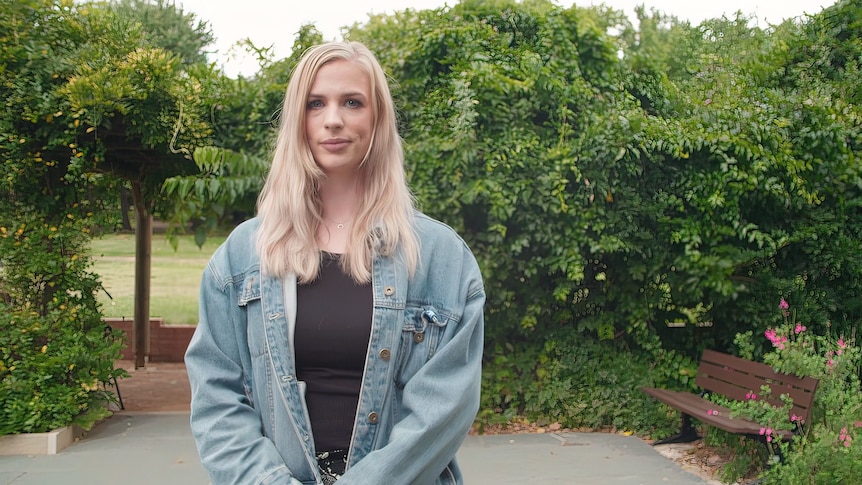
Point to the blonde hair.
(289, 205)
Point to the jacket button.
(286, 378)
(372, 417)
(385, 354)
(418, 337)
(389, 291)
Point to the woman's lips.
(335, 145)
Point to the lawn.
(175, 276)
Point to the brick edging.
(168, 343)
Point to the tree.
(168, 27)
(140, 106)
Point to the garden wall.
(168, 343)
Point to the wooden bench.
(734, 378)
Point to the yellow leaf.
(44, 348)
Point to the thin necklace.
(340, 225)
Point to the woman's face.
(339, 117)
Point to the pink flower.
(762, 431)
(711, 412)
(750, 395)
(783, 304)
(844, 436)
(793, 418)
(841, 343)
(800, 328)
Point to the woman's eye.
(315, 103)
(352, 103)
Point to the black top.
(333, 326)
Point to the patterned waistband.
(332, 465)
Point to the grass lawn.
(175, 276)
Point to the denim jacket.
(420, 389)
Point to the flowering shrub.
(54, 354)
(822, 451)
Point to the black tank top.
(333, 326)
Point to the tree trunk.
(143, 260)
(125, 206)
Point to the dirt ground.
(160, 387)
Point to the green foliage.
(54, 368)
(582, 382)
(52, 342)
(225, 179)
(831, 456)
(617, 185)
(748, 456)
(168, 27)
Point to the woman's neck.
(339, 199)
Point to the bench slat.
(698, 408)
(734, 377)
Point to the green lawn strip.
(175, 276)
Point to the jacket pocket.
(421, 334)
(248, 299)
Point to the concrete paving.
(157, 448)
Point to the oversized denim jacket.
(420, 389)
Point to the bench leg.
(687, 433)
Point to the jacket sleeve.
(226, 427)
(428, 437)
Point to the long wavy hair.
(289, 205)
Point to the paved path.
(156, 448)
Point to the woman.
(340, 333)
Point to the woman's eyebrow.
(348, 94)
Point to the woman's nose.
(332, 118)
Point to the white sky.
(275, 22)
